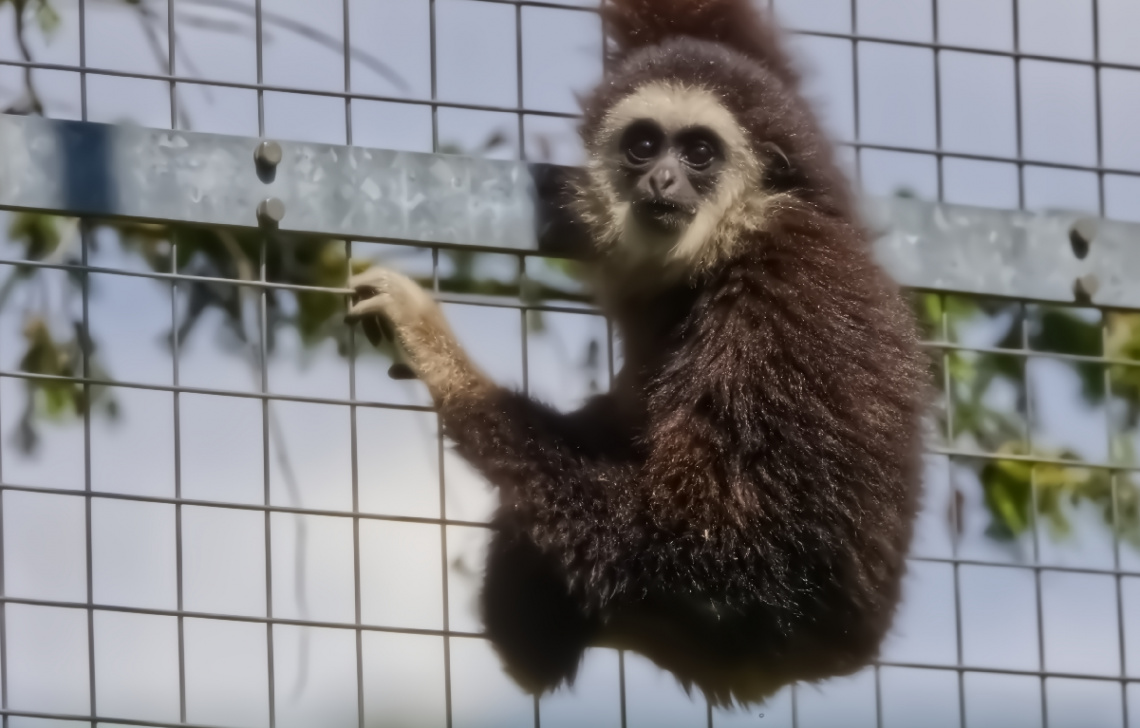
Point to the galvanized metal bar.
(1005, 253)
(76, 168)
(185, 177)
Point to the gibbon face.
(668, 175)
(693, 149)
(672, 163)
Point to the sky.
(133, 544)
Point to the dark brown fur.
(738, 508)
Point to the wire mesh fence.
(218, 510)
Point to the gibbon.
(739, 506)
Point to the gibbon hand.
(390, 305)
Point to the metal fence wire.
(217, 510)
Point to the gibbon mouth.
(662, 213)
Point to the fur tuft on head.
(737, 24)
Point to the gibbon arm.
(565, 478)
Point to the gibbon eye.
(699, 154)
(642, 142)
(699, 147)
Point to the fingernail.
(401, 371)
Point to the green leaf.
(39, 234)
(1008, 494)
(46, 17)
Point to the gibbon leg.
(539, 630)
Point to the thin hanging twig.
(32, 104)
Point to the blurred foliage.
(973, 419)
(217, 259)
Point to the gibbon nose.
(662, 180)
